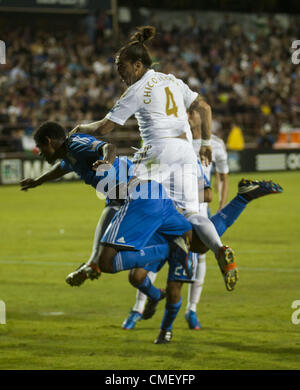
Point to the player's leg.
(194, 293)
(195, 289)
(173, 305)
(136, 313)
(77, 277)
(143, 280)
(176, 277)
(105, 219)
(248, 190)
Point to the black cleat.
(82, 273)
(252, 189)
(151, 306)
(164, 337)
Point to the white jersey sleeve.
(125, 107)
(188, 95)
(220, 157)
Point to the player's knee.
(196, 245)
(106, 259)
(137, 276)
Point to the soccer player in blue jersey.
(155, 213)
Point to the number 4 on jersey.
(171, 108)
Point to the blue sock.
(148, 289)
(171, 311)
(125, 260)
(228, 214)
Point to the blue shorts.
(176, 270)
(140, 217)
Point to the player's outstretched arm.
(55, 173)
(102, 127)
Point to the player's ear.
(48, 141)
(138, 65)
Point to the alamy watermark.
(296, 53)
(2, 53)
(2, 313)
(125, 179)
(296, 314)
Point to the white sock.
(206, 231)
(105, 218)
(195, 289)
(140, 297)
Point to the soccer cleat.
(151, 305)
(252, 189)
(164, 337)
(192, 320)
(228, 267)
(131, 320)
(179, 251)
(85, 271)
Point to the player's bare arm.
(102, 127)
(195, 123)
(55, 173)
(109, 155)
(199, 105)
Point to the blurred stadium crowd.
(69, 76)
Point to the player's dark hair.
(51, 130)
(136, 49)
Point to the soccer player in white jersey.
(220, 164)
(160, 103)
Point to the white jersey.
(159, 103)
(219, 155)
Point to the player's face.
(129, 72)
(47, 151)
(126, 71)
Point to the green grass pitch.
(48, 231)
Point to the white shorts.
(173, 163)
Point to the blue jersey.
(82, 151)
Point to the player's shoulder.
(80, 142)
(81, 138)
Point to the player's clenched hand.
(28, 183)
(101, 165)
(205, 155)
